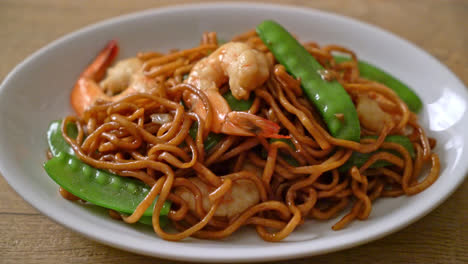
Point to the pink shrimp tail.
(86, 90)
(97, 69)
(245, 124)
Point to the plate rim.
(254, 255)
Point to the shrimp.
(246, 69)
(243, 194)
(371, 115)
(124, 79)
(120, 76)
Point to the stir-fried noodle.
(274, 185)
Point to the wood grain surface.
(438, 26)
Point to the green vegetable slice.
(210, 141)
(358, 159)
(288, 158)
(238, 105)
(148, 220)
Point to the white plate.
(37, 91)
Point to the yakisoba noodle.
(121, 137)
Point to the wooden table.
(438, 26)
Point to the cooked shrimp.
(125, 78)
(371, 115)
(246, 69)
(120, 76)
(243, 195)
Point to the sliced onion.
(161, 119)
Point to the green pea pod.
(99, 187)
(57, 144)
(329, 97)
(55, 139)
(373, 73)
(238, 105)
(358, 159)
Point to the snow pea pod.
(330, 98)
(373, 73)
(358, 159)
(57, 144)
(55, 139)
(99, 187)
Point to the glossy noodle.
(274, 165)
